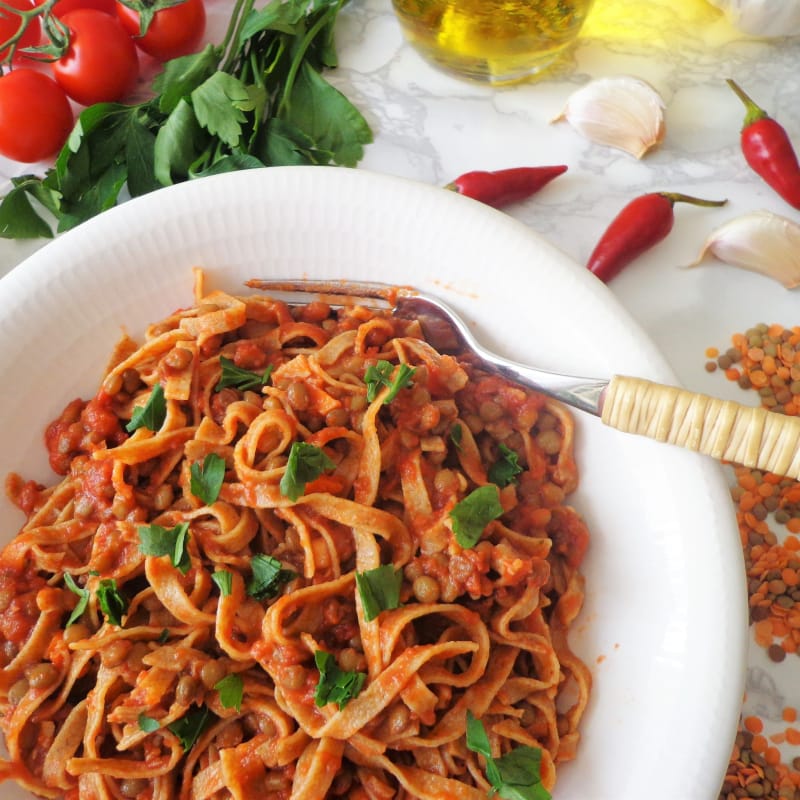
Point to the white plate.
(664, 628)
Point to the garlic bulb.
(620, 111)
(760, 242)
(770, 18)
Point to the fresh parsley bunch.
(257, 99)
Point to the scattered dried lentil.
(766, 359)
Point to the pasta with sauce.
(265, 571)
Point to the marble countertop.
(431, 127)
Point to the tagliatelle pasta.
(295, 553)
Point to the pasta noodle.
(268, 570)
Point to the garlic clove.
(621, 111)
(760, 242)
(762, 17)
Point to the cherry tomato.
(100, 64)
(174, 31)
(35, 115)
(9, 25)
(65, 6)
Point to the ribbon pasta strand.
(189, 668)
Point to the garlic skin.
(620, 111)
(760, 242)
(766, 18)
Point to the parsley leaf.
(148, 724)
(18, 216)
(224, 580)
(516, 775)
(379, 589)
(379, 375)
(83, 599)
(189, 727)
(471, 516)
(457, 435)
(207, 478)
(345, 131)
(219, 104)
(231, 691)
(241, 379)
(154, 540)
(335, 685)
(152, 414)
(181, 76)
(112, 603)
(477, 738)
(268, 576)
(306, 463)
(505, 470)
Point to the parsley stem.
(298, 58)
(241, 10)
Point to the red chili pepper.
(768, 150)
(641, 224)
(504, 186)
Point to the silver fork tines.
(442, 327)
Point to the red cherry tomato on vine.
(65, 6)
(174, 31)
(100, 64)
(35, 116)
(9, 25)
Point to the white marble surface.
(431, 127)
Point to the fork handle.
(723, 429)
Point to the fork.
(723, 429)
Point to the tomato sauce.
(26, 495)
(21, 613)
(80, 428)
(95, 484)
(570, 536)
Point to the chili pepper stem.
(754, 112)
(677, 197)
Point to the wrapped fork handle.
(723, 429)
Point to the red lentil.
(766, 359)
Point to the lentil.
(133, 787)
(41, 675)
(212, 672)
(186, 690)
(765, 359)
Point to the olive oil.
(498, 41)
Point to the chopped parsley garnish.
(335, 685)
(83, 599)
(472, 515)
(379, 589)
(241, 379)
(306, 463)
(457, 435)
(516, 775)
(189, 727)
(148, 724)
(231, 691)
(224, 580)
(207, 478)
(152, 414)
(505, 470)
(380, 375)
(154, 540)
(268, 576)
(112, 603)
